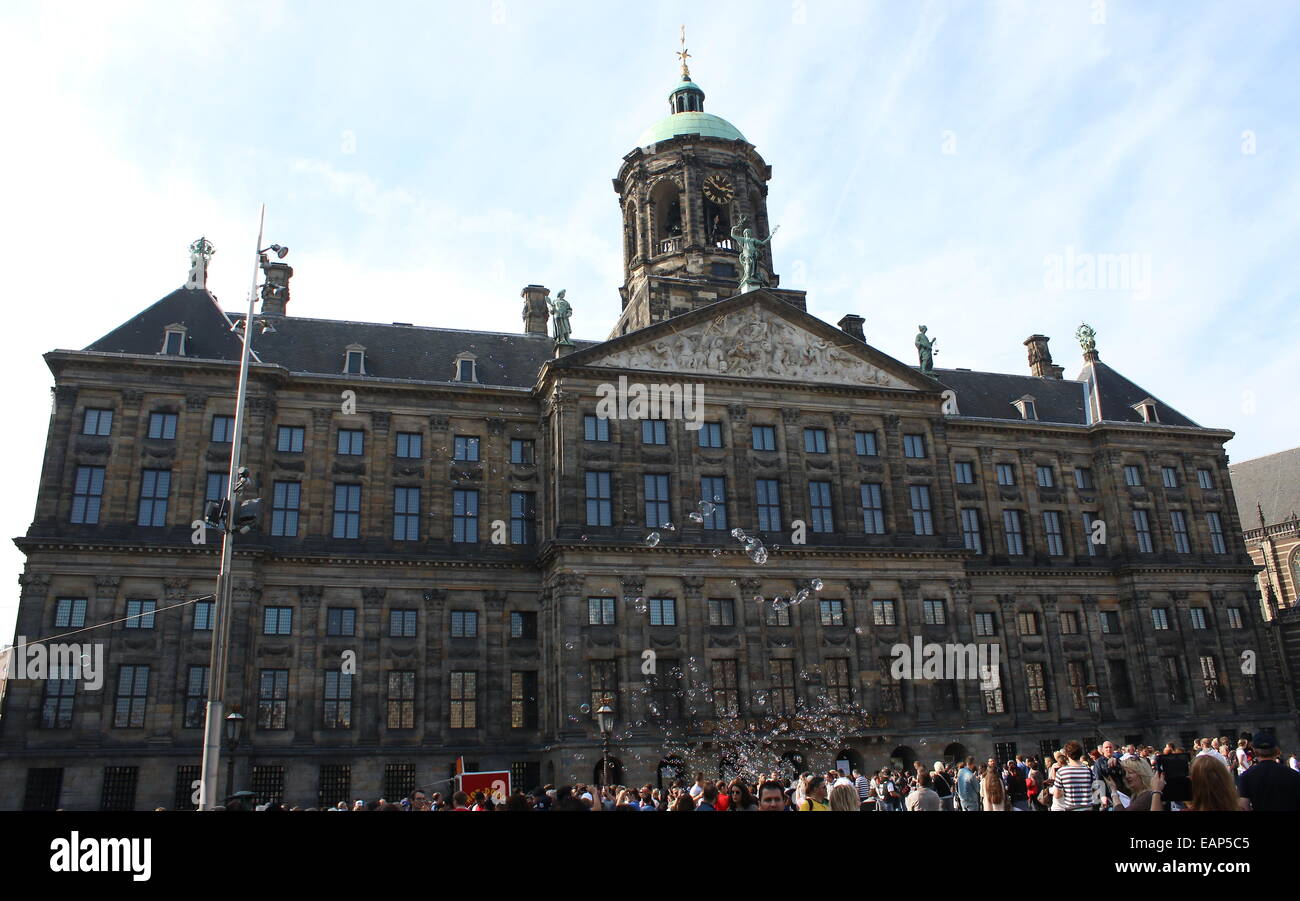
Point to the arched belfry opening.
(666, 201)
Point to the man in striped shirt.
(1074, 781)
(863, 785)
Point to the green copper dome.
(705, 124)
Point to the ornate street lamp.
(233, 729)
(1094, 702)
(605, 720)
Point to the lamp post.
(237, 480)
(605, 720)
(234, 728)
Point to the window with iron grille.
(654, 431)
(44, 788)
(401, 699)
(1006, 473)
(155, 486)
(523, 515)
(60, 698)
(1210, 678)
(277, 621)
(922, 518)
(994, 702)
(965, 472)
(1069, 620)
(883, 613)
(399, 780)
(713, 489)
(1174, 684)
(289, 439)
(971, 533)
(1047, 748)
(873, 508)
(1014, 532)
(891, 690)
(335, 785)
(139, 614)
(525, 775)
(406, 513)
(767, 496)
(1204, 479)
(1078, 684)
(595, 428)
(1160, 618)
(819, 501)
(402, 623)
(463, 708)
(781, 691)
(464, 516)
(775, 617)
(658, 511)
(268, 783)
(272, 698)
(710, 434)
(1083, 478)
(1133, 476)
(814, 441)
(465, 449)
(934, 612)
(1110, 623)
(132, 696)
(839, 690)
(410, 445)
(726, 693)
(464, 624)
(599, 504)
(1179, 523)
(523, 700)
(286, 501)
(87, 495)
(1004, 751)
(722, 612)
(119, 788)
(351, 442)
(183, 796)
(162, 426)
(604, 686)
(600, 611)
(1234, 618)
(523, 624)
(865, 444)
(1027, 622)
(914, 446)
(763, 437)
(70, 613)
(985, 624)
(1052, 528)
(1198, 617)
(832, 612)
(341, 621)
(196, 697)
(97, 422)
(523, 451)
(1037, 686)
(337, 712)
(1046, 477)
(1169, 476)
(663, 611)
(1216, 533)
(347, 511)
(215, 489)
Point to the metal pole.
(212, 727)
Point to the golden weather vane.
(684, 55)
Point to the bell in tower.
(694, 200)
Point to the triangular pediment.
(754, 336)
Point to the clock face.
(718, 189)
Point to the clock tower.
(691, 180)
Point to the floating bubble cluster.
(652, 540)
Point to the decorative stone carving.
(737, 411)
(434, 595)
(37, 584)
(496, 426)
(858, 588)
(291, 465)
(790, 415)
(196, 402)
(96, 447)
(177, 588)
(842, 419)
(310, 595)
(64, 394)
(132, 398)
(754, 344)
(352, 469)
(438, 423)
(373, 596)
(693, 585)
(322, 418)
(494, 600)
(751, 586)
(416, 472)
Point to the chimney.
(536, 313)
(275, 290)
(1040, 358)
(851, 324)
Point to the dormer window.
(174, 340)
(466, 368)
(1027, 406)
(1147, 409)
(354, 361)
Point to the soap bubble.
(652, 540)
(695, 517)
(717, 499)
(585, 708)
(800, 596)
(584, 537)
(759, 599)
(706, 507)
(738, 534)
(668, 527)
(858, 630)
(716, 552)
(758, 555)
(780, 603)
(568, 646)
(817, 584)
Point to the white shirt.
(1210, 752)
(1242, 762)
(696, 790)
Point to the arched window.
(668, 224)
(174, 340)
(354, 360)
(466, 368)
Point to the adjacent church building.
(500, 557)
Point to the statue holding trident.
(925, 350)
(560, 313)
(750, 277)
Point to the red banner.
(495, 785)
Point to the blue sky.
(425, 161)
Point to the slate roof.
(991, 394)
(1273, 482)
(1118, 395)
(209, 334)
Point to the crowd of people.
(1213, 775)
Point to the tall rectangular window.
(1197, 615)
(666, 689)
(1210, 678)
(764, 437)
(87, 493)
(883, 613)
(132, 696)
(971, 534)
(873, 508)
(1142, 525)
(335, 784)
(726, 694)
(337, 712)
(215, 488)
(139, 614)
(922, 518)
(1046, 477)
(1027, 622)
(464, 516)
(713, 490)
(1037, 687)
(410, 445)
(1015, 534)
(522, 517)
(277, 621)
(985, 625)
(604, 685)
(600, 611)
(710, 434)
(401, 699)
(839, 690)
(935, 612)
(464, 624)
(1133, 476)
(1083, 478)
(268, 783)
(273, 699)
(657, 508)
(523, 451)
(289, 439)
(1093, 547)
(819, 504)
(1160, 618)
(781, 686)
(196, 697)
(402, 623)
(832, 612)
(341, 621)
(914, 446)
(1174, 684)
(465, 449)
(891, 691)
(1006, 474)
(1234, 618)
(97, 422)
(523, 699)
(1119, 683)
(1110, 624)
(1078, 684)
(352, 442)
(1052, 528)
(523, 624)
(70, 613)
(406, 514)
(347, 511)
(1178, 520)
(595, 428)
(223, 429)
(1069, 622)
(162, 426)
(965, 472)
(663, 612)
(1216, 533)
(155, 486)
(56, 708)
(600, 508)
(767, 497)
(722, 612)
(1204, 480)
(814, 441)
(286, 501)
(203, 616)
(654, 431)
(775, 617)
(864, 443)
(1169, 476)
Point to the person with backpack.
(815, 795)
(887, 796)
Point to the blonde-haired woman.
(844, 797)
(1145, 786)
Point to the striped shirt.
(1075, 782)
(864, 788)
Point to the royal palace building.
(465, 548)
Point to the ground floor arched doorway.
(670, 770)
(902, 757)
(955, 753)
(615, 772)
(847, 760)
